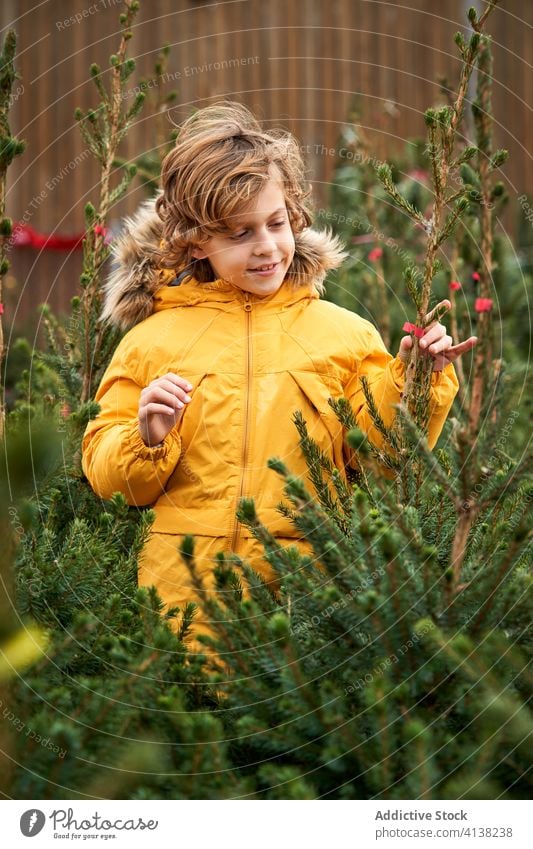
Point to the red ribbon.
(412, 328)
(483, 304)
(25, 236)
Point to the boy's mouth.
(264, 269)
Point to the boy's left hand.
(436, 342)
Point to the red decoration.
(25, 236)
(475, 276)
(375, 254)
(455, 285)
(418, 174)
(412, 328)
(103, 231)
(1, 309)
(483, 304)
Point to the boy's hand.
(161, 405)
(436, 342)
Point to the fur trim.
(316, 253)
(136, 275)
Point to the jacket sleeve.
(385, 375)
(114, 456)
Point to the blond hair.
(222, 159)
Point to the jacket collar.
(225, 296)
(137, 286)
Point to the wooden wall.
(297, 64)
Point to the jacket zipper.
(244, 456)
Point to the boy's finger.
(179, 381)
(153, 409)
(462, 347)
(159, 395)
(172, 388)
(406, 343)
(440, 345)
(438, 312)
(432, 334)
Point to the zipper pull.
(247, 305)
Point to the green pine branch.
(442, 126)
(10, 147)
(103, 129)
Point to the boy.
(223, 285)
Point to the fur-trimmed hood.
(137, 276)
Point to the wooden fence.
(302, 65)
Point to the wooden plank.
(313, 59)
(293, 50)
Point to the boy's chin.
(257, 285)
(263, 287)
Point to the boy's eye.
(242, 233)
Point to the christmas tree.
(362, 679)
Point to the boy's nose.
(265, 244)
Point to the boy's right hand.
(161, 405)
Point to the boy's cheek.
(290, 251)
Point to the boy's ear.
(198, 253)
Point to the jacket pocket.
(322, 424)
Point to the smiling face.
(256, 253)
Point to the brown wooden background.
(297, 64)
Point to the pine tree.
(397, 668)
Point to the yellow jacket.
(252, 363)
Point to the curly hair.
(222, 159)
